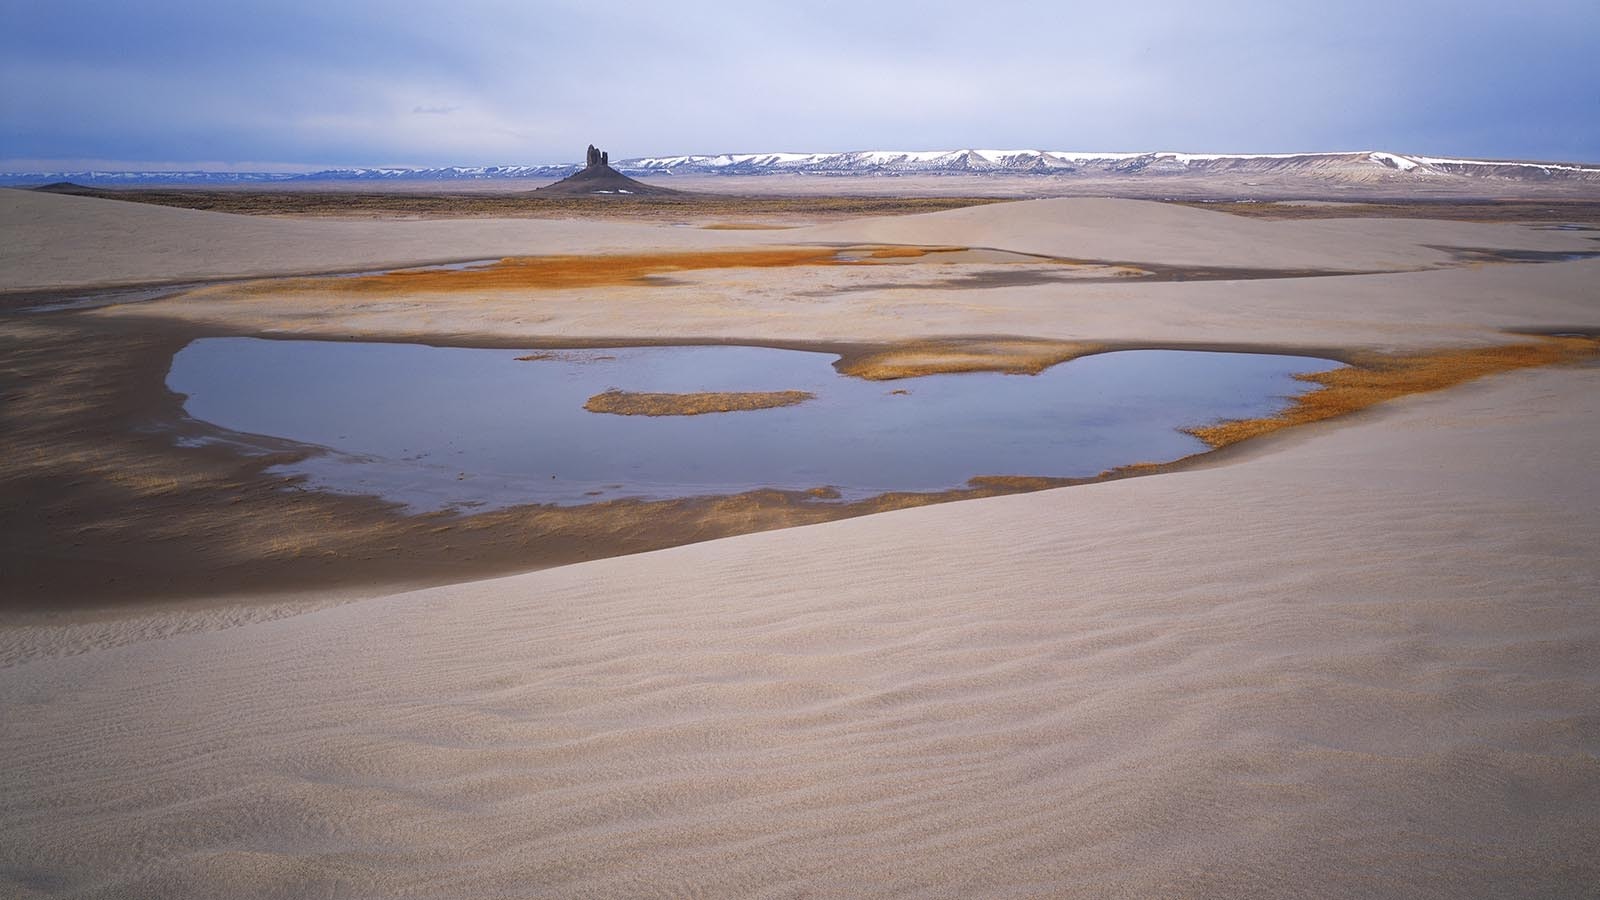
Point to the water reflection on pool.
(436, 427)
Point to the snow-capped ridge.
(1024, 161)
(1363, 166)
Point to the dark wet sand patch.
(1078, 271)
(1493, 255)
(62, 300)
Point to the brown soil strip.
(1012, 356)
(1372, 379)
(627, 403)
(507, 203)
(526, 204)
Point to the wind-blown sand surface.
(44, 238)
(1352, 659)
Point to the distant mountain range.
(1364, 166)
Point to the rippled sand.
(1354, 660)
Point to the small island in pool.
(630, 403)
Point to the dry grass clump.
(520, 272)
(1015, 484)
(564, 356)
(1013, 356)
(1373, 380)
(906, 252)
(579, 271)
(627, 403)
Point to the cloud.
(312, 82)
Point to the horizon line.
(292, 170)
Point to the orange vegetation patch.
(627, 403)
(1372, 380)
(575, 271)
(525, 272)
(1013, 356)
(907, 252)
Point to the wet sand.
(1351, 658)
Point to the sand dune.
(1359, 664)
(52, 240)
(84, 241)
(1145, 231)
(1455, 306)
(1352, 660)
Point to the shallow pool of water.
(436, 427)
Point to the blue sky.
(295, 85)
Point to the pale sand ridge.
(1459, 306)
(1145, 231)
(1242, 681)
(91, 241)
(51, 240)
(1353, 660)
(54, 241)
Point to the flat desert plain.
(1353, 657)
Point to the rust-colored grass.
(573, 271)
(1015, 484)
(627, 403)
(1374, 379)
(906, 252)
(1013, 356)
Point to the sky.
(308, 84)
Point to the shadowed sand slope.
(1361, 664)
(49, 240)
(1144, 231)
